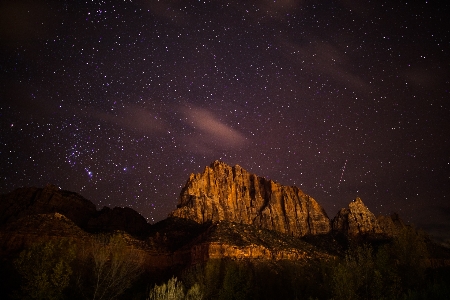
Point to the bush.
(411, 253)
(236, 283)
(109, 268)
(45, 269)
(174, 290)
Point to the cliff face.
(356, 220)
(239, 241)
(232, 194)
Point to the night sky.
(121, 102)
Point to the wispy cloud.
(279, 10)
(209, 134)
(136, 118)
(324, 57)
(423, 76)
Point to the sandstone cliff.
(240, 241)
(356, 220)
(232, 194)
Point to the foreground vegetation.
(109, 269)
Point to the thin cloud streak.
(135, 118)
(210, 134)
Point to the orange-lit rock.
(205, 251)
(356, 219)
(232, 194)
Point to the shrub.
(45, 269)
(110, 267)
(174, 290)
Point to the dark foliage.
(357, 268)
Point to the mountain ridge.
(228, 193)
(211, 228)
(222, 192)
(219, 193)
(50, 199)
(217, 217)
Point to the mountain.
(24, 232)
(82, 212)
(356, 219)
(198, 243)
(31, 201)
(225, 193)
(391, 225)
(226, 218)
(223, 212)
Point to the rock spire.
(356, 220)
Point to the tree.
(212, 278)
(386, 274)
(343, 283)
(236, 283)
(45, 269)
(355, 276)
(174, 290)
(387, 283)
(111, 266)
(194, 293)
(411, 252)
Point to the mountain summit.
(356, 219)
(225, 193)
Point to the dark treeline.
(107, 269)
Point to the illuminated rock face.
(356, 220)
(225, 193)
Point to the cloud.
(323, 57)
(209, 133)
(279, 10)
(136, 118)
(170, 10)
(422, 77)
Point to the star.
(121, 102)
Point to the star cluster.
(122, 101)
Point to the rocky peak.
(391, 225)
(356, 220)
(232, 194)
